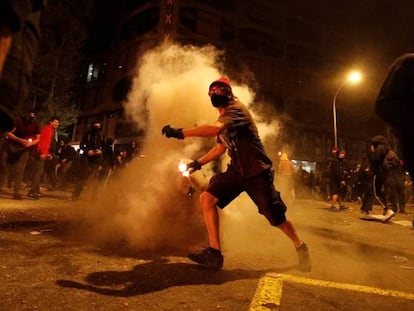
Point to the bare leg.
(211, 218)
(335, 199)
(301, 247)
(288, 229)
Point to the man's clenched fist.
(169, 132)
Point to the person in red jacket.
(45, 150)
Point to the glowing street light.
(353, 77)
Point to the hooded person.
(250, 171)
(92, 146)
(379, 148)
(395, 105)
(337, 177)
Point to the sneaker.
(34, 196)
(388, 215)
(208, 257)
(304, 258)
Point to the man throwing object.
(250, 170)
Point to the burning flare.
(182, 167)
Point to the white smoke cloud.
(148, 202)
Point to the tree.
(64, 28)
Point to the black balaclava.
(220, 93)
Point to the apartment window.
(272, 48)
(188, 18)
(208, 25)
(300, 30)
(227, 31)
(249, 39)
(121, 89)
(140, 24)
(134, 4)
(221, 5)
(301, 55)
(93, 73)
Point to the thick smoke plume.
(147, 203)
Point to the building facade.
(279, 47)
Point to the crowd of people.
(37, 154)
(33, 156)
(379, 178)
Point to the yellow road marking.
(269, 291)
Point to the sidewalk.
(400, 219)
(48, 198)
(53, 206)
(57, 205)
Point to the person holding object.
(16, 150)
(249, 170)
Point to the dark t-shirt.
(242, 140)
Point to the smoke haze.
(147, 204)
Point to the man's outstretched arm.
(209, 130)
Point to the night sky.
(378, 31)
(367, 35)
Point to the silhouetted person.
(395, 105)
(92, 145)
(15, 152)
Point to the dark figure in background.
(395, 105)
(50, 170)
(366, 182)
(394, 182)
(337, 177)
(286, 173)
(108, 160)
(326, 172)
(15, 152)
(132, 151)
(250, 170)
(67, 156)
(46, 148)
(19, 39)
(92, 145)
(377, 153)
(357, 189)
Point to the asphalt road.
(58, 255)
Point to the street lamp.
(353, 77)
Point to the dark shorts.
(229, 185)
